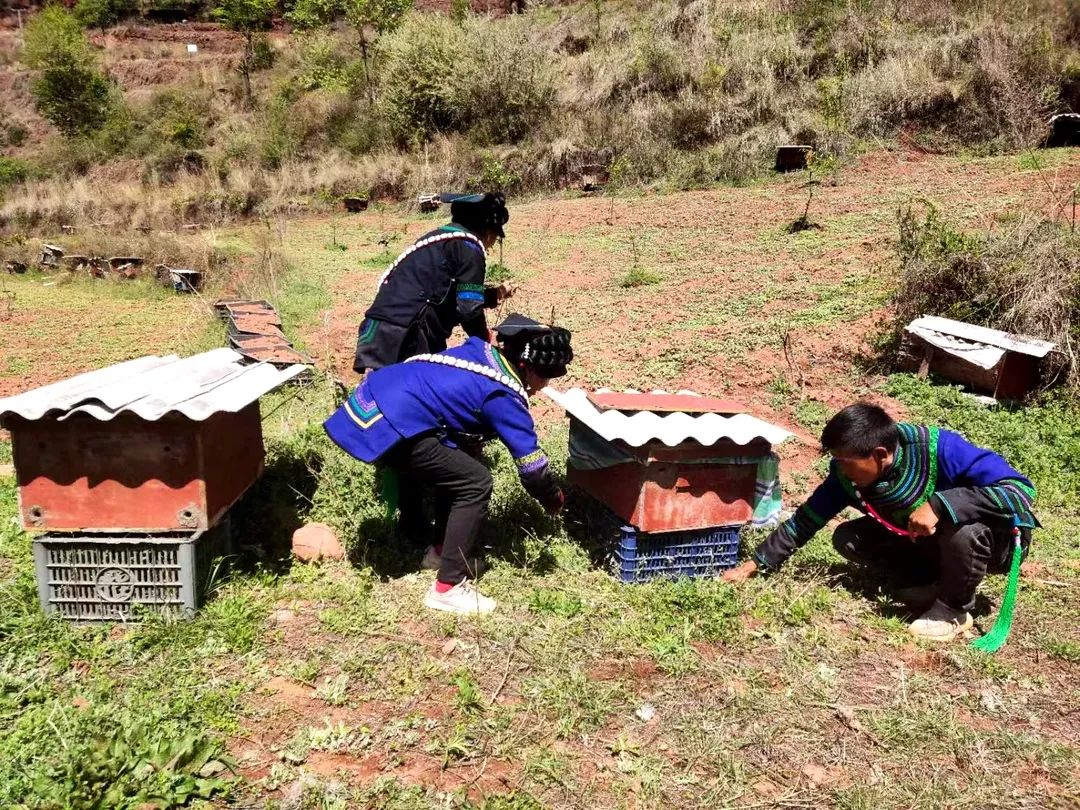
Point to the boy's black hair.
(858, 429)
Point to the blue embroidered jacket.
(469, 390)
(962, 482)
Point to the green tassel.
(995, 639)
(389, 489)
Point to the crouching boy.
(939, 513)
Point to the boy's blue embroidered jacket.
(963, 483)
(470, 390)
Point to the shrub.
(103, 13)
(178, 118)
(15, 134)
(658, 66)
(690, 121)
(263, 54)
(495, 175)
(68, 90)
(325, 64)
(507, 87)
(13, 171)
(423, 60)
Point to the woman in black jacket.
(435, 285)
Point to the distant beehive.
(987, 361)
(793, 157)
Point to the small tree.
(246, 17)
(370, 19)
(68, 89)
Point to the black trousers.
(462, 488)
(957, 557)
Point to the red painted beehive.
(156, 444)
(667, 463)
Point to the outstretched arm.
(509, 416)
(823, 505)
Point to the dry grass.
(687, 95)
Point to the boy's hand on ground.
(922, 522)
(740, 573)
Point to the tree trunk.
(369, 91)
(245, 65)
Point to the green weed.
(468, 698)
(639, 277)
(555, 603)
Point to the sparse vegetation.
(688, 95)
(326, 685)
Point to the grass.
(61, 325)
(639, 277)
(536, 705)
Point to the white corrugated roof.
(672, 428)
(927, 325)
(150, 387)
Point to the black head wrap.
(479, 212)
(546, 348)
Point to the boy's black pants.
(957, 557)
(462, 492)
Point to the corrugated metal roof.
(928, 324)
(672, 429)
(151, 387)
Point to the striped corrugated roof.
(151, 387)
(670, 428)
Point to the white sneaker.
(941, 623)
(462, 598)
(432, 560)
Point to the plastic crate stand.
(89, 577)
(639, 557)
(636, 556)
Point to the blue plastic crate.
(639, 557)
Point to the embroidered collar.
(497, 369)
(444, 234)
(911, 479)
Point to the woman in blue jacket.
(414, 417)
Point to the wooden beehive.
(131, 474)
